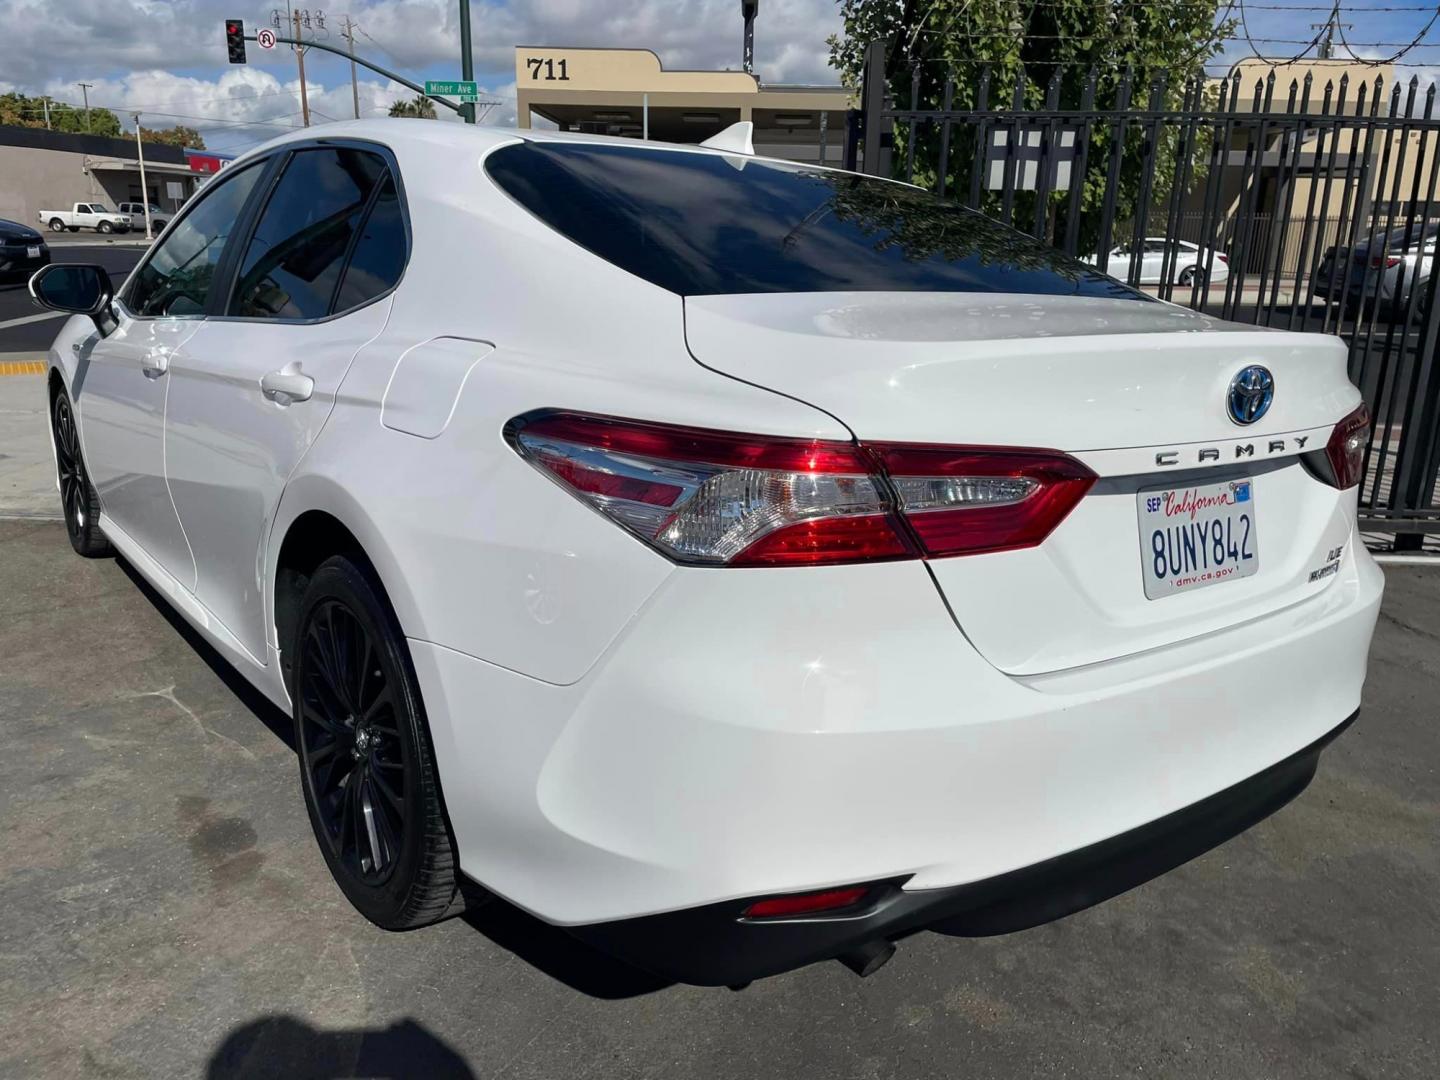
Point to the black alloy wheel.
(366, 762)
(353, 750)
(78, 500)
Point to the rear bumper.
(1366, 286)
(18, 266)
(763, 732)
(716, 945)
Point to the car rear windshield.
(707, 223)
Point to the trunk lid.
(1136, 390)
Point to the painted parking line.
(22, 367)
(27, 319)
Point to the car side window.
(292, 266)
(379, 256)
(177, 277)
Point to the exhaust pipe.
(864, 960)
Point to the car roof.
(401, 133)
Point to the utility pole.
(348, 29)
(85, 91)
(144, 190)
(45, 104)
(748, 9)
(1327, 47)
(300, 60)
(467, 61)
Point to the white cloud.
(56, 42)
(246, 105)
(168, 58)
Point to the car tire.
(1190, 273)
(77, 495)
(105, 227)
(56, 225)
(367, 765)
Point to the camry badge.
(1250, 394)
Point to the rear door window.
(293, 263)
(700, 223)
(379, 256)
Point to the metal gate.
(1300, 207)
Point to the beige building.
(629, 92)
(1400, 164)
(52, 170)
(1313, 185)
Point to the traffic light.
(235, 40)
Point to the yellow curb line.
(23, 367)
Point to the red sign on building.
(202, 162)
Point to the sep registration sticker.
(1195, 536)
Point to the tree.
(18, 110)
(1041, 39)
(419, 106)
(179, 135)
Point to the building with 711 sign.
(629, 92)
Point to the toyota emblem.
(1251, 392)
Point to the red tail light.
(780, 907)
(1223, 258)
(964, 501)
(1345, 449)
(721, 499)
(1387, 262)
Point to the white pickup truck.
(86, 215)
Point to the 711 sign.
(464, 89)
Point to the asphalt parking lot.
(23, 326)
(166, 913)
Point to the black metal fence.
(1297, 206)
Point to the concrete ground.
(27, 469)
(164, 911)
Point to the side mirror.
(77, 288)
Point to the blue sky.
(1379, 29)
(166, 57)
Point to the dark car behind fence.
(1319, 201)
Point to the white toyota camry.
(737, 563)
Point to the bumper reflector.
(780, 907)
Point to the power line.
(1324, 30)
(207, 101)
(1214, 68)
(1391, 60)
(207, 120)
(991, 35)
(1181, 4)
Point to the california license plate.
(1198, 535)
(32, 252)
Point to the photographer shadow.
(282, 1045)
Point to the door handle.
(285, 386)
